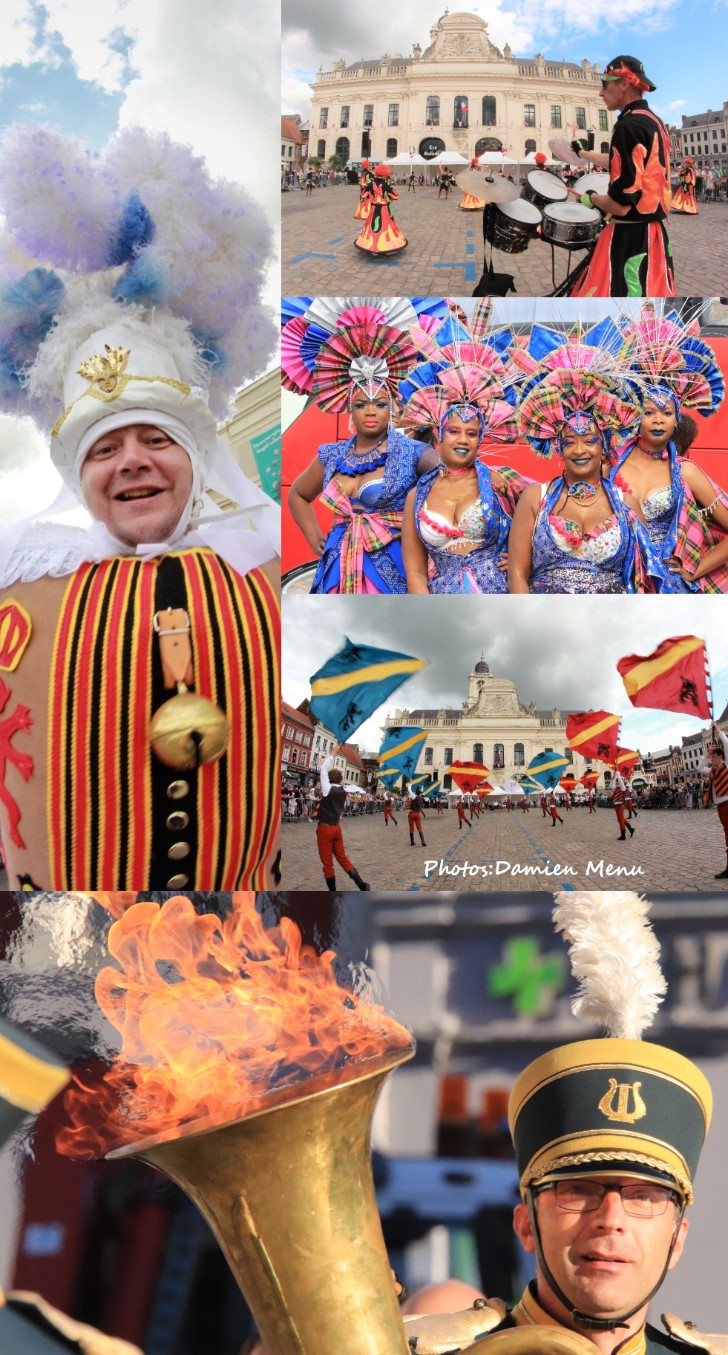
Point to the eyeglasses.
(607, 79)
(641, 1199)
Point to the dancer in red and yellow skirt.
(380, 233)
(365, 178)
(469, 203)
(684, 199)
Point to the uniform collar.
(637, 106)
(529, 1313)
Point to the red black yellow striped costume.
(116, 815)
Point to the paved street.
(671, 850)
(445, 252)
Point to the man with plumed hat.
(607, 1134)
(138, 641)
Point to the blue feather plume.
(134, 231)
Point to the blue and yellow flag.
(401, 748)
(354, 681)
(388, 773)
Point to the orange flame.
(218, 1018)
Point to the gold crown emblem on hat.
(105, 372)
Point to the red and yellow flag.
(674, 677)
(626, 759)
(589, 778)
(467, 775)
(594, 734)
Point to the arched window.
(342, 149)
(530, 145)
(498, 755)
(430, 147)
(391, 147)
(488, 143)
(460, 111)
(488, 118)
(604, 148)
(447, 782)
(321, 150)
(477, 752)
(366, 145)
(518, 755)
(432, 111)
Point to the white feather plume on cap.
(615, 956)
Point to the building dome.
(481, 666)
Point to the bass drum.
(570, 225)
(511, 226)
(542, 188)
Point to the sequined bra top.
(439, 534)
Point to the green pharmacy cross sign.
(532, 980)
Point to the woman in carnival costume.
(686, 513)
(144, 643)
(457, 517)
(380, 233)
(684, 199)
(577, 533)
(348, 354)
(365, 179)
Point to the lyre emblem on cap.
(106, 372)
(621, 1111)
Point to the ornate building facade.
(494, 726)
(460, 93)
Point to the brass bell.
(189, 730)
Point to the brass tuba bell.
(289, 1195)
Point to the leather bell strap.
(175, 647)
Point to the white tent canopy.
(449, 158)
(495, 158)
(404, 158)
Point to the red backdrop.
(302, 440)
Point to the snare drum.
(599, 181)
(511, 226)
(570, 225)
(542, 188)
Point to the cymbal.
(492, 188)
(561, 150)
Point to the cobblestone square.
(671, 850)
(444, 256)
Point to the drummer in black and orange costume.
(632, 256)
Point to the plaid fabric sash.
(696, 535)
(366, 533)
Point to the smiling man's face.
(605, 1260)
(137, 481)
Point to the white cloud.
(28, 481)
(86, 31)
(17, 33)
(208, 75)
(677, 103)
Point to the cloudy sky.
(682, 44)
(559, 652)
(206, 75)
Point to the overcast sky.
(681, 42)
(560, 651)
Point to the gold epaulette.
(688, 1332)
